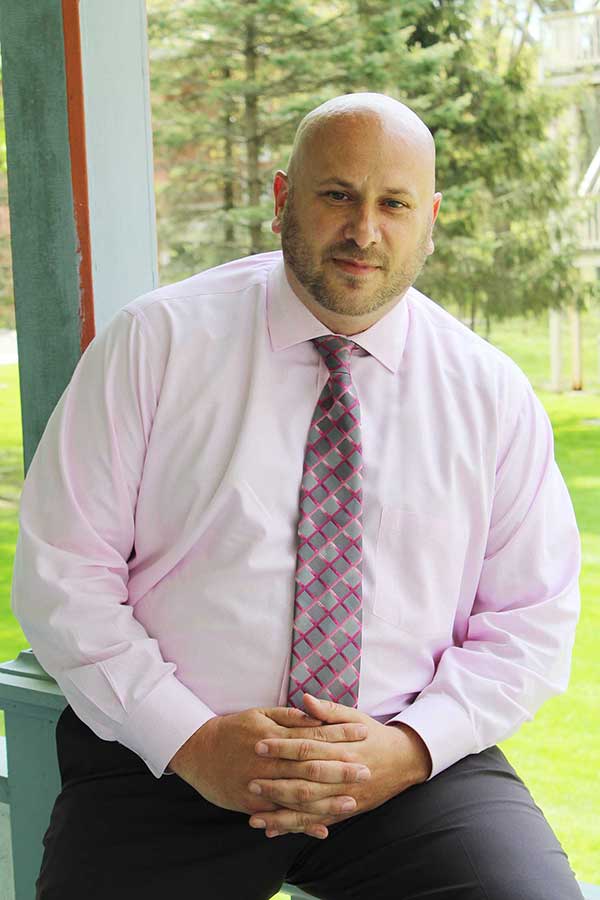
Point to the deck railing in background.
(590, 226)
(571, 44)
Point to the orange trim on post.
(81, 210)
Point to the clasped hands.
(296, 771)
(347, 763)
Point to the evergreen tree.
(506, 235)
(232, 80)
(230, 83)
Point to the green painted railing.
(29, 776)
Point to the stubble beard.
(314, 279)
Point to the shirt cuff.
(162, 723)
(444, 727)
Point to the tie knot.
(335, 350)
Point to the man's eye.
(336, 195)
(397, 204)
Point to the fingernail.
(255, 789)
(363, 774)
(348, 804)
(271, 833)
(258, 823)
(262, 749)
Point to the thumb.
(331, 712)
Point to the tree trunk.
(523, 36)
(576, 376)
(251, 128)
(228, 180)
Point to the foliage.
(506, 239)
(230, 82)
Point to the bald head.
(367, 111)
(356, 208)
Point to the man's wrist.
(423, 763)
(189, 751)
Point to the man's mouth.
(354, 267)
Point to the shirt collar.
(289, 322)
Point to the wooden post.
(83, 236)
(554, 321)
(120, 165)
(79, 147)
(576, 378)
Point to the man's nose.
(363, 227)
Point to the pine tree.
(232, 80)
(230, 83)
(506, 236)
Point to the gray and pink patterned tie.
(327, 635)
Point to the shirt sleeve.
(521, 631)
(76, 536)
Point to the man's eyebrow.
(348, 184)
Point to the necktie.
(327, 633)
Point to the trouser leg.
(471, 833)
(118, 832)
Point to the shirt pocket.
(418, 570)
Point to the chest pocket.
(418, 570)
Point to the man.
(295, 481)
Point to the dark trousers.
(117, 833)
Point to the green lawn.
(11, 478)
(556, 755)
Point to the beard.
(313, 276)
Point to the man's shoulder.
(231, 278)
(456, 338)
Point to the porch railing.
(590, 226)
(571, 42)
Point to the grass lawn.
(556, 754)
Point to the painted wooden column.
(80, 181)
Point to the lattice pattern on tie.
(326, 642)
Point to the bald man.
(296, 549)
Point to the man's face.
(356, 225)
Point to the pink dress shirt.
(154, 570)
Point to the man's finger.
(290, 717)
(332, 734)
(323, 771)
(292, 748)
(303, 796)
(331, 712)
(288, 820)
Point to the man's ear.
(280, 192)
(437, 199)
